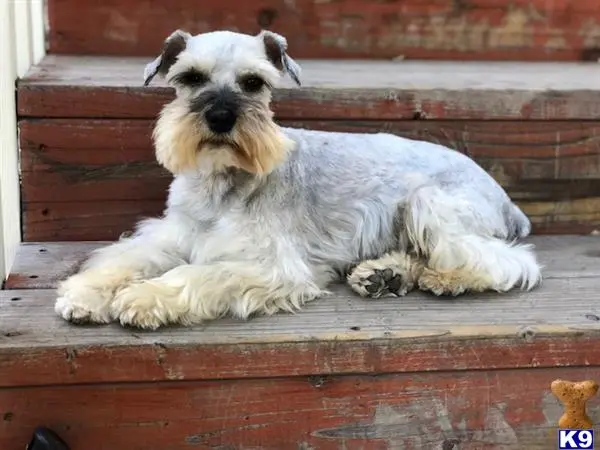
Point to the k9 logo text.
(575, 439)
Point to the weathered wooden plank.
(531, 150)
(108, 219)
(101, 71)
(88, 220)
(339, 334)
(551, 169)
(443, 29)
(469, 410)
(355, 318)
(41, 265)
(119, 182)
(112, 88)
(536, 149)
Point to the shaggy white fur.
(262, 218)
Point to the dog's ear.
(172, 47)
(276, 50)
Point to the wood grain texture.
(86, 220)
(551, 169)
(40, 265)
(343, 374)
(470, 409)
(346, 333)
(339, 335)
(412, 29)
(104, 87)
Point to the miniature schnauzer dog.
(262, 218)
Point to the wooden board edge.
(47, 100)
(74, 364)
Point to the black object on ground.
(46, 439)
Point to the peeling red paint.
(413, 29)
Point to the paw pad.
(381, 282)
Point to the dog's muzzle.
(220, 120)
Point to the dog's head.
(221, 117)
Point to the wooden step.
(412, 29)
(85, 122)
(344, 373)
(112, 87)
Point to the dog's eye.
(252, 84)
(191, 78)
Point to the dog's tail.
(519, 225)
(448, 233)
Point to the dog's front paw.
(85, 298)
(148, 305)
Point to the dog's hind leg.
(393, 274)
(465, 244)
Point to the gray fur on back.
(340, 196)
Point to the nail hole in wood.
(45, 212)
(593, 317)
(450, 444)
(42, 250)
(527, 334)
(317, 381)
(355, 328)
(8, 416)
(13, 334)
(15, 299)
(33, 277)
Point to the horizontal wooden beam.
(469, 410)
(93, 179)
(103, 87)
(411, 29)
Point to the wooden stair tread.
(39, 265)
(111, 87)
(343, 74)
(556, 322)
(342, 316)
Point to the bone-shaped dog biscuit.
(574, 395)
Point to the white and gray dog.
(262, 218)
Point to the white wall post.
(22, 43)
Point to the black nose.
(220, 120)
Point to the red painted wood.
(440, 29)
(86, 220)
(135, 102)
(93, 179)
(142, 362)
(472, 410)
